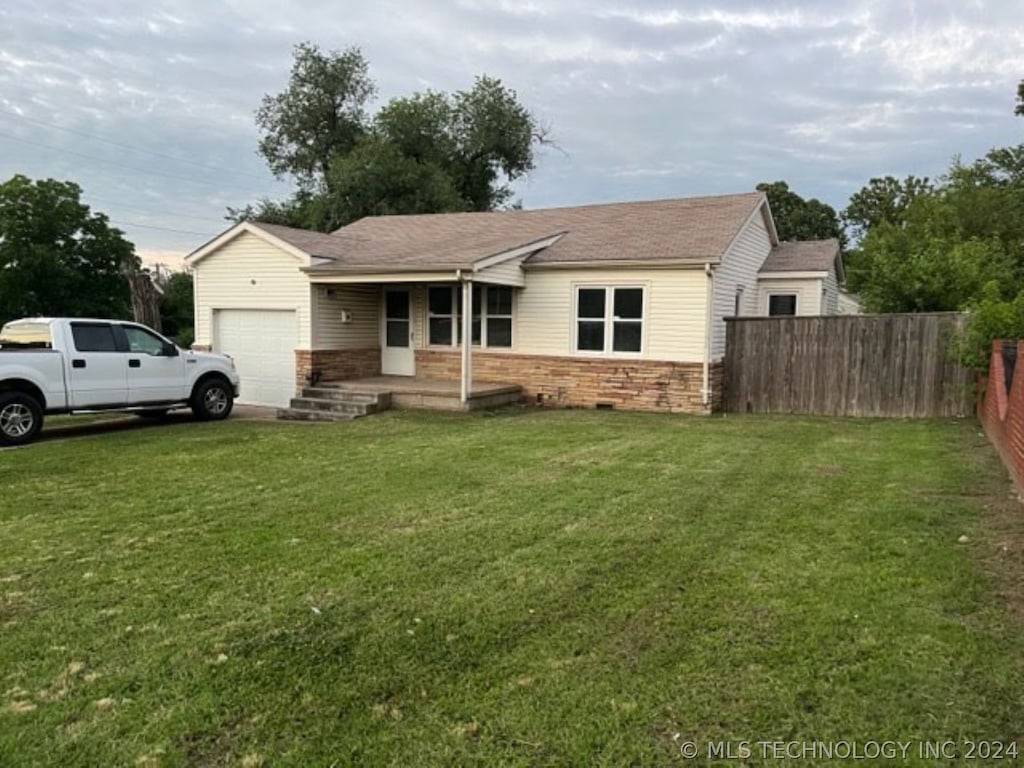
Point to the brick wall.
(573, 382)
(336, 364)
(1001, 412)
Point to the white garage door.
(262, 343)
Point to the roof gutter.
(618, 264)
(709, 300)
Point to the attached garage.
(252, 301)
(262, 343)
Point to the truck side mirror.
(169, 350)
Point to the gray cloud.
(647, 99)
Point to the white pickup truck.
(70, 365)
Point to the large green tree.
(799, 219)
(883, 199)
(941, 247)
(177, 307)
(426, 153)
(321, 114)
(57, 257)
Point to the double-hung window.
(492, 315)
(609, 319)
(442, 315)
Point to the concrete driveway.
(126, 422)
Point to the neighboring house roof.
(805, 256)
(697, 229)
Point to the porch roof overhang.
(378, 275)
(489, 268)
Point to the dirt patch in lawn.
(1003, 553)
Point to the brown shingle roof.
(802, 256)
(696, 229)
(312, 243)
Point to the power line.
(150, 211)
(132, 148)
(162, 229)
(114, 163)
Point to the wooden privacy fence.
(847, 365)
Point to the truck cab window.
(142, 341)
(94, 337)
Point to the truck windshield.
(26, 336)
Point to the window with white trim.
(492, 315)
(441, 316)
(781, 304)
(609, 319)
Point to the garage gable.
(240, 230)
(250, 272)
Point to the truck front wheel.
(21, 418)
(212, 400)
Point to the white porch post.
(467, 341)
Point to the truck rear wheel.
(21, 418)
(213, 399)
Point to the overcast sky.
(149, 105)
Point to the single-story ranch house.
(618, 305)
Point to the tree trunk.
(145, 300)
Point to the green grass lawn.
(525, 588)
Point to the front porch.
(368, 332)
(434, 394)
(352, 398)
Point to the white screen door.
(397, 355)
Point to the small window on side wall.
(781, 304)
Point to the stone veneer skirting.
(335, 364)
(575, 382)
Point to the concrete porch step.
(334, 406)
(326, 404)
(347, 395)
(300, 414)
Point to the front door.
(397, 355)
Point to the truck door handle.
(78, 363)
(133, 363)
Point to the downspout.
(195, 312)
(466, 377)
(705, 392)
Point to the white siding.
(250, 273)
(830, 305)
(507, 273)
(361, 302)
(674, 311)
(739, 269)
(807, 291)
(848, 304)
